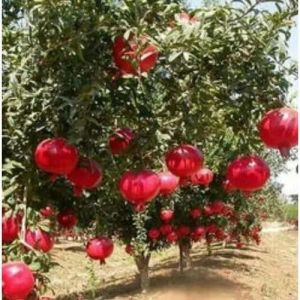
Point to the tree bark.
(185, 261)
(142, 263)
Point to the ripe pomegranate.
(17, 281)
(199, 231)
(168, 183)
(220, 234)
(172, 237)
(153, 234)
(217, 207)
(202, 177)
(166, 215)
(87, 175)
(208, 211)
(129, 249)
(228, 186)
(279, 129)
(99, 248)
(134, 56)
(165, 229)
(120, 140)
(248, 173)
(183, 231)
(195, 213)
(39, 240)
(184, 160)
(211, 228)
(139, 187)
(47, 211)
(67, 218)
(239, 245)
(10, 229)
(56, 156)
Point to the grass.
(290, 212)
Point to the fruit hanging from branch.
(17, 281)
(120, 140)
(56, 156)
(87, 175)
(67, 219)
(168, 183)
(279, 129)
(248, 173)
(184, 160)
(166, 215)
(138, 188)
(10, 229)
(39, 240)
(202, 177)
(135, 56)
(100, 248)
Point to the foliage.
(212, 83)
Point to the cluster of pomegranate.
(59, 158)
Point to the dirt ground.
(254, 273)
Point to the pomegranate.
(183, 231)
(39, 240)
(279, 129)
(208, 211)
(211, 228)
(202, 177)
(67, 218)
(228, 186)
(184, 160)
(120, 140)
(195, 213)
(56, 156)
(166, 215)
(129, 249)
(248, 173)
(47, 211)
(153, 234)
(86, 175)
(17, 281)
(99, 248)
(217, 207)
(139, 187)
(220, 234)
(134, 56)
(199, 231)
(172, 237)
(165, 229)
(10, 229)
(168, 183)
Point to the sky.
(289, 179)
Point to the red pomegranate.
(153, 234)
(100, 248)
(166, 215)
(199, 231)
(183, 231)
(172, 237)
(67, 218)
(279, 129)
(56, 156)
(10, 229)
(134, 56)
(168, 183)
(202, 177)
(220, 234)
(184, 160)
(195, 213)
(39, 240)
(248, 173)
(17, 281)
(208, 211)
(165, 229)
(47, 211)
(129, 249)
(139, 187)
(120, 140)
(228, 186)
(87, 175)
(217, 207)
(211, 228)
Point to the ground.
(254, 273)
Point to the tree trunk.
(142, 263)
(209, 249)
(185, 261)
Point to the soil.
(268, 271)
